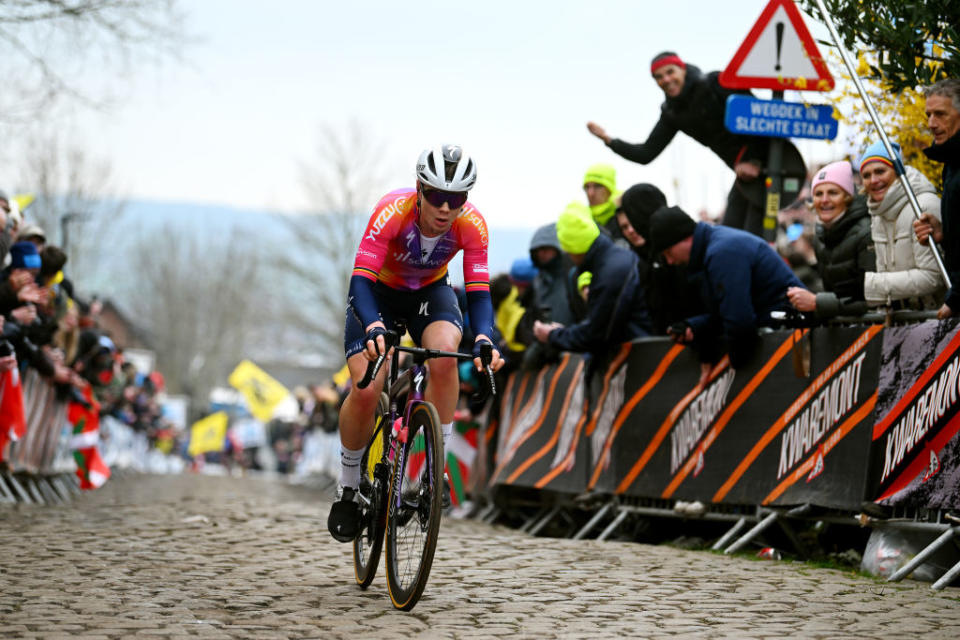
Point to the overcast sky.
(513, 82)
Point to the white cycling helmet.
(447, 168)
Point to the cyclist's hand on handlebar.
(375, 341)
(496, 361)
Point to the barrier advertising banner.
(915, 449)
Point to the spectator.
(508, 294)
(843, 246)
(33, 233)
(742, 281)
(907, 275)
(695, 104)
(801, 256)
(669, 295)
(600, 185)
(943, 119)
(616, 309)
(550, 294)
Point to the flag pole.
(897, 164)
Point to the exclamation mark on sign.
(779, 44)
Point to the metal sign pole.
(897, 165)
(774, 173)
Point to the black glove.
(372, 336)
(476, 346)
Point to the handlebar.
(488, 387)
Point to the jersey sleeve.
(476, 274)
(371, 254)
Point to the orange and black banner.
(829, 416)
(915, 448)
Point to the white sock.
(350, 467)
(447, 429)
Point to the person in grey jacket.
(907, 275)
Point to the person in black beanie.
(670, 297)
(695, 104)
(742, 281)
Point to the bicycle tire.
(373, 516)
(413, 515)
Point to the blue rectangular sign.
(779, 119)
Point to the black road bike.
(401, 482)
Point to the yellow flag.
(208, 434)
(262, 392)
(24, 200)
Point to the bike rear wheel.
(373, 500)
(413, 516)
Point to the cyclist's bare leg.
(360, 405)
(443, 388)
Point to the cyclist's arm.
(374, 247)
(476, 276)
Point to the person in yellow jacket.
(510, 297)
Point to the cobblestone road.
(188, 556)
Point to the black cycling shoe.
(344, 519)
(445, 496)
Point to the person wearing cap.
(600, 185)
(32, 233)
(670, 297)
(510, 296)
(695, 104)
(616, 307)
(907, 275)
(943, 120)
(742, 282)
(843, 245)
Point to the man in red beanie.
(695, 104)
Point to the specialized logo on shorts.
(423, 308)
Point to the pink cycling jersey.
(390, 249)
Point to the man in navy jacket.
(616, 306)
(742, 281)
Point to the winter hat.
(602, 174)
(668, 226)
(545, 236)
(839, 173)
(665, 58)
(576, 229)
(522, 271)
(23, 255)
(877, 152)
(638, 204)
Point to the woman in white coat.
(907, 276)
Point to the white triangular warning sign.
(779, 53)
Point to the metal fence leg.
(6, 495)
(597, 517)
(19, 490)
(947, 578)
(794, 539)
(606, 533)
(31, 485)
(921, 557)
(46, 484)
(734, 530)
(486, 511)
(757, 529)
(492, 516)
(534, 519)
(57, 483)
(535, 529)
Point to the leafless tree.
(76, 199)
(60, 48)
(342, 181)
(199, 300)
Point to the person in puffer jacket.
(907, 275)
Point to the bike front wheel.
(374, 478)
(413, 515)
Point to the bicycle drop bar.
(391, 339)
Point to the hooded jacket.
(742, 281)
(550, 292)
(949, 154)
(616, 307)
(844, 255)
(906, 269)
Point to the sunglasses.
(436, 198)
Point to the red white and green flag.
(91, 469)
(13, 422)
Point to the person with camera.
(400, 277)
